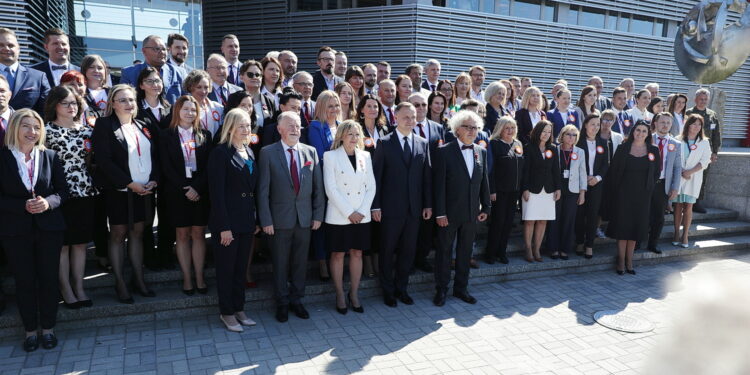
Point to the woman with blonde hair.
(530, 113)
(198, 85)
(350, 188)
(461, 89)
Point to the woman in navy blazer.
(233, 177)
(32, 187)
(594, 147)
(127, 170)
(320, 135)
(562, 114)
(185, 147)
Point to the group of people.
(341, 161)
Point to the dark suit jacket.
(523, 120)
(173, 162)
(492, 116)
(44, 67)
(540, 171)
(2, 129)
(13, 195)
(145, 115)
(558, 122)
(614, 180)
(402, 190)
(232, 188)
(623, 123)
(426, 85)
(459, 197)
(506, 168)
(437, 135)
(603, 103)
(319, 84)
(213, 95)
(111, 152)
(30, 90)
(601, 160)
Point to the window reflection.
(592, 17)
(527, 8)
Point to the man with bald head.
(387, 95)
(155, 55)
(288, 62)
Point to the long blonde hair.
(14, 127)
(231, 120)
(502, 123)
(343, 129)
(196, 125)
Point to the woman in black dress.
(629, 184)
(185, 147)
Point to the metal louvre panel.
(14, 17)
(505, 46)
(673, 10)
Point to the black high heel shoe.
(620, 272)
(144, 293)
(632, 272)
(341, 310)
(356, 309)
(128, 301)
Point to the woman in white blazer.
(350, 187)
(573, 176)
(696, 155)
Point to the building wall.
(30, 19)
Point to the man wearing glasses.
(302, 82)
(324, 79)
(155, 55)
(216, 66)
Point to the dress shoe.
(31, 343)
(620, 272)
(405, 298)
(473, 264)
(72, 306)
(698, 207)
(528, 259)
(282, 313)
(637, 246)
(299, 311)
(439, 299)
(341, 310)
(632, 272)
(357, 309)
(324, 278)
(502, 259)
(203, 290)
(390, 301)
(144, 293)
(231, 327)
(465, 296)
(675, 243)
(654, 249)
(245, 322)
(189, 292)
(554, 256)
(564, 257)
(49, 341)
(489, 259)
(685, 245)
(86, 303)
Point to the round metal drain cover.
(620, 321)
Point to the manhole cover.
(620, 321)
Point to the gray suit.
(673, 167)
(290, 214)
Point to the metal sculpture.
(706, 49)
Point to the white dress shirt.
(5, 119)
(591, 146)
(234, 70)
(155, 110)
(478, 95)
(330, 82)
(24, 167)
(425, 128)
(640, 115)
(100, 98)
(535, 116)
(665, 139)
(139, 163)
(468, 155)
(187, 141)
(57, 73)
(289, 157)
(409, 138)
(433, 86)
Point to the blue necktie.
(231, 75)
(10, 77)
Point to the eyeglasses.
(304, 84)
(419, 105)
(253, 75)
(571, 134)
(152, 82)
(157, 49)
(326, 59)
(219, 68)
(470, 128)
(68, 104)
(125, 100)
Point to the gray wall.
(505, 45)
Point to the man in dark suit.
(289, 101)
(216, 66)
(404, 157)
(302, 82)
(155, 53)
(324, 79)
(432, 71)
(58, 50)
(291, 202)
(623, 120)
(602, 102)
(462, 200)
(387, 95)
(178, 46)
(434, 133)
(29, 87)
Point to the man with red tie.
(462, 200)
(216, 66)
(387, 95)
(303, 83)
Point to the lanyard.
(137, 141)
(188, 149)
(566, 160)
(30, 170)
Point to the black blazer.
(523, 120)
(614, 179)
(457, 196)
(111, 152)
(319, 84)
(173, 162)
(145, 115)
(382, 132)
(402, 190)
(437, 135)
(232, 188)
(507, 166)
(13, 195)
(214, 96)
(541, 171)
(601, 160)
(92, 104)
(492, 116)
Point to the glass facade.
(115, 28)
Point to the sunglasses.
(253, 75)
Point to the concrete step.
(171, 303)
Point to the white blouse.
(139, 153)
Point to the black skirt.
(118, 204)
(79, 220)
(342, 238)
(184, 212)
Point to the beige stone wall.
(728, 184)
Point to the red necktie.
(307, 112)
(661, 153)
(293, 170)
(390, 118)
(421, 131)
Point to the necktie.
(432, 87)
(11, 78)
(293, 170)
(407, 150)
(231, 75)
(467, 147)
(222, 93)
(306, 112)
(421, 131)
(661, 153)
(59, 67)
(390, 118)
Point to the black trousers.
(501, 222)
(35, 262)
(464, 234)
(426, 240)
(396, 257)
(159, 253)
(560, 231)
(656, 213)
(588, 216)
(289, 249)
(231, 262)
(101, 230)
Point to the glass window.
(592, 17)
(488, 6)
(397, 2)
(303, 5)
(464, 4)
(612, 21)
(623, 22)
(573, 15)
(502, 7)
(527, 9)
(549, 13)
(642, 25)
(661, 28)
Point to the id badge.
(713, 126)
(141, 168)
(188, 172)
(566, 173)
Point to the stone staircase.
(715, 233)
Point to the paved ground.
(528, 326)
